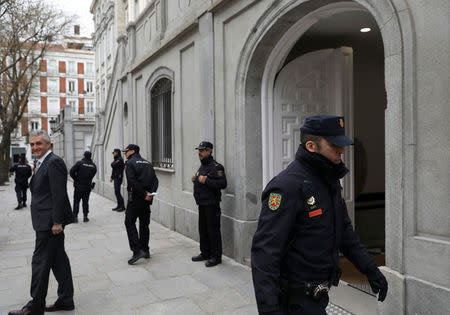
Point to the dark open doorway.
(369, 103)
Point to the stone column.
(69, 143)
(131, 34)
(206, 74)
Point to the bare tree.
(27, 29)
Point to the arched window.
(161, 123)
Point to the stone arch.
(397, 31)
(159, 73)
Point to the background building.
(66, 78)
(245, 73)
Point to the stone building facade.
(244, 74)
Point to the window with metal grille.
(161, 123)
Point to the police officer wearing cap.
(304, 224)
(82, 174)
(23, 172)
(208, 181)
(117, 177)
(141, 184)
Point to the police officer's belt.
(316, 291)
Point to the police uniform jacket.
(82, 173)
(117, 168)
(302, 226)
(141, 177)
(209, 193)
(23, 172)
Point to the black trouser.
(21, 193)
(49, 253)
(209, 230)
(138, 209)
(117, 184)
(81, 194)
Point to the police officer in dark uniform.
(82, 173)
(23, 172)
(208, 181)
(142, 183)
(304, 224)
(117, 176)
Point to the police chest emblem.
(311, 201)
(274, 201)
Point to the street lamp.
(52, 125)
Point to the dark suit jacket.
(49, 201)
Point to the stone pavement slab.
(168, 283)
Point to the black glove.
(379, 284)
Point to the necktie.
(38, 164)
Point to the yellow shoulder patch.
(274, 201)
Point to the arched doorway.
(267, 51)
(334, 68)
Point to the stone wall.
(216, 60)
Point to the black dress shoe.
(147, 254)
(120, 209)
(26, 311)
(18, 207)
(213, 262)
(24, 204)
(60, 306)
(85, 219)
(199, 258)
(136, 256)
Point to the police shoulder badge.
(274, 201)
(311, 201)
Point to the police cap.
(132, 147)
(116, 150)
(204, 145)
(330, 127)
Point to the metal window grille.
(161, 123)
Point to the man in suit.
(50, 213)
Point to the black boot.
(85, 219)
(24, 204)
(115, 209)
(199, 258)
(19, 206)
(120, 209)
(136, 256)
(213, 262)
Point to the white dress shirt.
(41, 160)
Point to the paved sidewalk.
(168, 283)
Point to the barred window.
(161, 123)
